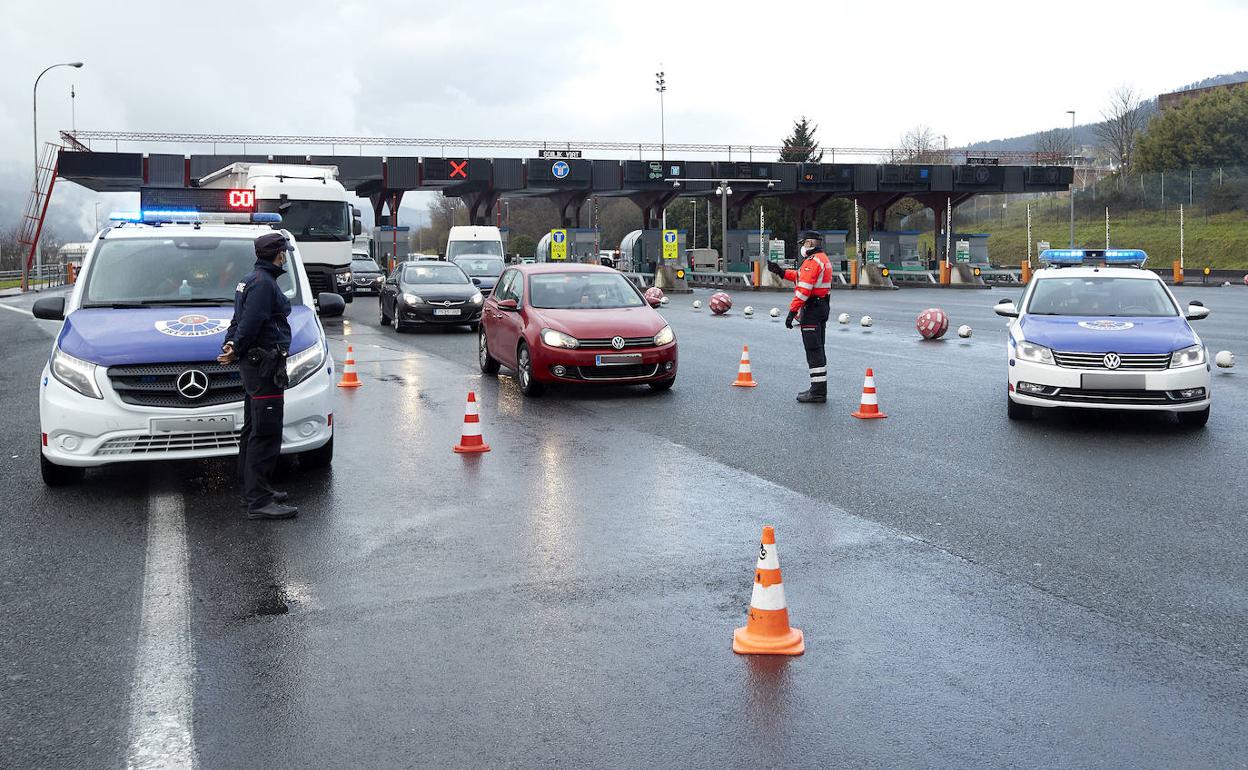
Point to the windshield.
(312, 220)
(364, 266)
(172, 271)
(481, 266)
(1102, 297)
(434, 274)
(482, 248)
(567, 291)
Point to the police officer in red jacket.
(810, 308)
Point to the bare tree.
(1053, 146)
(919, 145)
(1124, 120)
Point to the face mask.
(807, 251)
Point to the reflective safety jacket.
(814, 279)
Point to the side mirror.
(356, 227)
(654, 301)
(330, 305)
(1197, 311)
(355, 212)
(49, 309)
(1006, 309)
(508, 304)
(392, 281)
(476, 281)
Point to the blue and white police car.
(1095, 330)
(133, 372)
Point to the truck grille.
(320, 280)
(168, 442)
(629, 342)
(1131, 362)
(157, 384)
(622, 372)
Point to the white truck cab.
(133, 374)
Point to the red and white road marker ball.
(720, 303)
(654, 294)
(932, 323)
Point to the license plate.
(617, 359)
(446, 311)
(208, 423)
(1113, 382)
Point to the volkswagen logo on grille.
(617, 343)
(192, 384)
(1112, 361)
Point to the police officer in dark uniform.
(259, 339)
(810, 307)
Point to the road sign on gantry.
(558, 245)
(671, 244)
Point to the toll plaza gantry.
(569, 182)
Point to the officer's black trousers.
(261, 440)
(814, 322)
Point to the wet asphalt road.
(1069, 592)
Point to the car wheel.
(398, 325)
(58, 475)
(487, 362)
(1194, 419)
(381, 307)
(1018, 411)
(662, 385)
(529, 385)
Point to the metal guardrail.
(913, 276)
(46, 279)
(1002, 275)
(642, 280)
(718, 279)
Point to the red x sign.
(457, 169)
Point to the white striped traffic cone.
(745, 378)
(470, 440)
(349, 378)
(869, 408)
(767, 632)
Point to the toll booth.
(391, 243)
(745, 247)
(979, 247)
(898, 249)
(583, 246)
(641, 251)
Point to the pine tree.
(802, 146)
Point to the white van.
(477, 240)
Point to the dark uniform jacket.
(260, 312)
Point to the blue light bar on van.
(183, 216)
(1071, 257)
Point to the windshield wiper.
(162, 303)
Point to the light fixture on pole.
(34, 115)
(660, 86)
(1072, 177)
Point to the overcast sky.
(736, 72)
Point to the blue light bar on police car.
(1072, 257)
(190, 216)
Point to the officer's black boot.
(816, 394)
(273, 511)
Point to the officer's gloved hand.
(774, 267)
(788, 320)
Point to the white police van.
(1095, 330)
(133, 372)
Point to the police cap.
(810, 235)
(270, 245)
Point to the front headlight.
(1193, 356)
(477, 298)
(412, 299)
(1029, 351)
(75, 374)
(559, 340)
(344, 278)
(664, 336)
(304, 364)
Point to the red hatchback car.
(580, 324)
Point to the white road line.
(22, 310)
(161, 702)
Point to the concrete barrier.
(672, 279)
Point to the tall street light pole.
(1072, 178)
(34, 114)
(723, 191)
(660, 85)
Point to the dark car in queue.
(366, 274)
(575, 324)
(483, 269)
(429, 292)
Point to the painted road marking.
(161, 690)
(22, 310)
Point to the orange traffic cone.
(745, 379)
(349, 377)
(470, 440)
(767, 632)
(869, 408)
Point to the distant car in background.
(429, 292)
(483, 269)
(366, 274)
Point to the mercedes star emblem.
(192, 384)
(1112, 361)
(617, 343)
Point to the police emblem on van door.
(193, 325)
